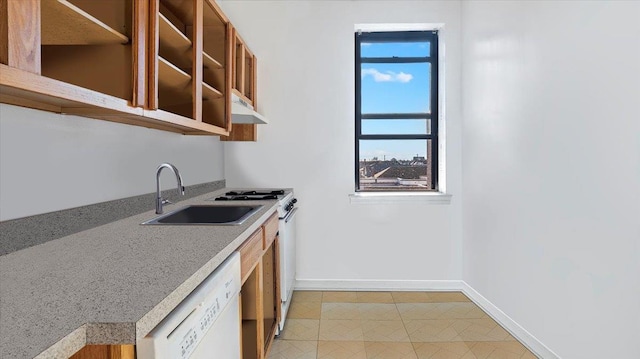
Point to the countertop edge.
(71, 343)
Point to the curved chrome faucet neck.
(159, 200)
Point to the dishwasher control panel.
(206, 314)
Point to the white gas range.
(287, 210)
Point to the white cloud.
(388, 76)
(402, 77)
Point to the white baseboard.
(526, 338)
(378, 285)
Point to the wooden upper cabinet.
(163, 64)
(189, 73)
(244, 85)
(89, 44)
(244, 71)
(92, 45)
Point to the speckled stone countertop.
(111, 284)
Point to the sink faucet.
(159, 200)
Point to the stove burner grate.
(255, 193)
(229, 197)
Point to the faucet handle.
(166, 201)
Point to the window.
(396, 137)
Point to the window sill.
(399, 197)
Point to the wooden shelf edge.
(174, 35)
(156, 119)
(209, 92)
(190, 126)
(32, 86)
(211, 63)
(30, 90)
(27, 102)
(170, 75)
(58, 14)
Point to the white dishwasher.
(206, 324)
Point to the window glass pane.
(396, 127)
(395, 165)
(400, 49)
(395, 88)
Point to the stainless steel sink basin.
(207, 215)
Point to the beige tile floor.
(392, 325)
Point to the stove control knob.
(295, 200)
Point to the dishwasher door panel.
(222, 341)
(206, 324)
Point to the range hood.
(242, 112)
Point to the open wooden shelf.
(174, 45)
(103, 68)
(213, 73)
(65, 24)
(86, 43)
(170, 75)
(211, 63)
(173, 84)
(180, 8)
(126, 61)
(243, 85)
(184, 10)
(213, 112)
(210, 93)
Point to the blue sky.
(394, 88)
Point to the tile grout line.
(413, 347)
(319, 324)
(361, 319)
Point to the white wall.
(551, 169)
(305, 53)
(50, 162)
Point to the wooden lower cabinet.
(106, 352)
(260, 301)
(252, 315)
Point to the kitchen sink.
(207, 215)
